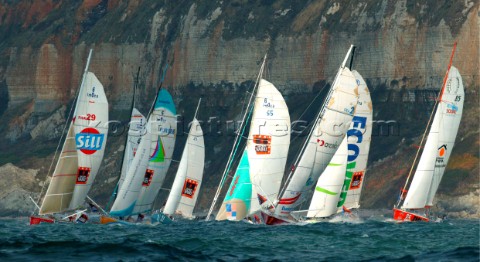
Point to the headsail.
(329, 185)
(184, 192)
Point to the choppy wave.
(373, 238)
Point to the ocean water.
(372, 238)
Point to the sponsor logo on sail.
(189, 188)
(147, 179)
(356, 180)
(452, 109)
(262, 144)
(440, 161)
(327, 145)
(82, 175)
(359, 124)
(89, 140)
(92, 94)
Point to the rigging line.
(115, 191)
(245, 119)
(429, 121)
(66, 123)
(317, 119)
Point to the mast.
(317, 119)
(115, 191)
(236, 142)
(428, 123)
(65, 127)
(198, 105)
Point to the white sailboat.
(339, 187)
(188, 180)
(82, 151)
(148, 168)
(436, 152)
(259, 174)
(327, 133)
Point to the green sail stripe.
(323, 190)
(333, 164)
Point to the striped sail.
(135, 132)
(328, 132)
(329, 185)
(163, 127)
(439, 145)
(184, 192)
(359, 137)
(60, 189)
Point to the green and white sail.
(359, 137)
(330, 127)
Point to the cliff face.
(214, 50)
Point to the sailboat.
(152, 159)
(329, 128)
(188, 180)
(258, 176)
(339, 187)
(436, 152)
(81, 154)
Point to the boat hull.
(405, 216)
(273, 220)
(34, 220)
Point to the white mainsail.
(268, 143)
(328, 132)
(163, 125)
(359, 137)
(135, 132)
(329, 185)
(90, 125)
(184, 192)
(439, 145)
(260, 171)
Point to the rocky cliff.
(214, 49)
